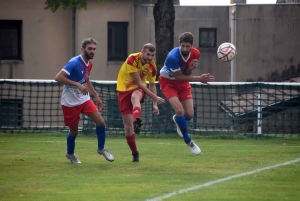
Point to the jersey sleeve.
(131, 65)
(196, 53)
(68, 68)
(173, 63)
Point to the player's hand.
(83, 89)
(155, 110)
(205, 78)
(158, 100)
(193, 64)
(99, 103)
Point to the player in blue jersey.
(174, 83)
(76, 100)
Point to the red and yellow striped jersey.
(133, 64)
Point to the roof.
(273, 100)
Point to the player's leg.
(188, 106)
(169, 89)
(179, 118)
(71, 119)
(136, 97)
(92, 112)
(186, 99)
(181, 121)
(130, 137)
(125, 106)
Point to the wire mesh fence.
(229, 108)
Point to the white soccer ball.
(226, 52)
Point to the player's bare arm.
(137, 79)
(204, 78)
(61, 77)
(152, 88)
(92, 91)
(192, 65)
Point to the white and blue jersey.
(176, 62)
(77, 71)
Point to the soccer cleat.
(72, 158)
(136, 157)
(178, 129)
(193, 147)
(137, 125)
(106, 155)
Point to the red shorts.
(171, 88)
(124, 101)
(72, 114)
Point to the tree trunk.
(164, 17)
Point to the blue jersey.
(176, 62)
(78, 71)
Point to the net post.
(259, 110)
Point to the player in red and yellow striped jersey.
(132, 89)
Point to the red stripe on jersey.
(133, 60)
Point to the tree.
(164, 17)
(54, 5)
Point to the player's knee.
(73, 132)
(100, 122)
(189, 116)
(128, 129)
(135, 98)
(179, 112)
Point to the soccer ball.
(226, 52)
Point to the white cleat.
(193, 147)
(178, 129)
(72, 158)
(106, 155)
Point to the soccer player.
(76, 99)
(174, 83)
(132, 89)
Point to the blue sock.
(100, 131)
(187, 118)
(70, 144)
(182, 123)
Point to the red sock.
(131, 143)
(136, 113)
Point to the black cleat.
(136, 157)
(137, 125)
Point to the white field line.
(221, 180)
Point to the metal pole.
(73, 31)
(232, 63)
(259, 112)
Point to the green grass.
(34, 167)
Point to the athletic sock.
(132, 143)
(70, 144)
(136, 113)
(182, 123)
(187, 118)
(101, 135)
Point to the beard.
(147, 61)
(185, 53)
(88, 56)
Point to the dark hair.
(149, 46)
(87, 41)
(186, 37)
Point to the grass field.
(34, 167)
